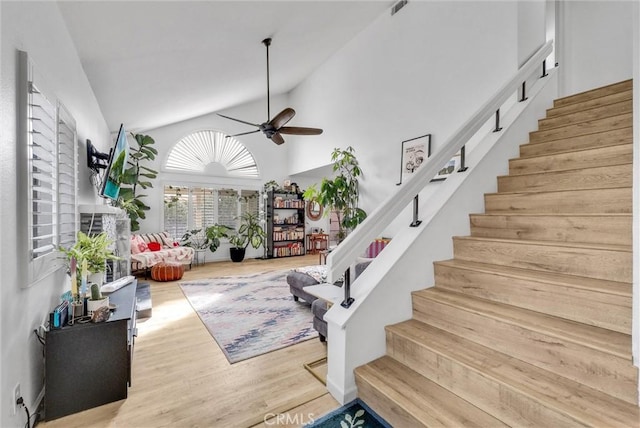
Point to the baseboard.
(343, 397)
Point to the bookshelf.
(285, 224)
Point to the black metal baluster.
(463, 159)
(415, 222)
(524, 91)
(348, 300)
(544, 68)
(498, 128)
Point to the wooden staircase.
(530, 323)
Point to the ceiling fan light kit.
(274, 128)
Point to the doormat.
(353, 414)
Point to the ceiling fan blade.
(297, 130)
(282, 118)
(277, 138)
(242, 133)
(237, 120)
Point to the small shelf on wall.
(285, 224)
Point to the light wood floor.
(181, 378)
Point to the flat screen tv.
(117, 165)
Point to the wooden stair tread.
(607, 341)
(564, 227)
(560, 191)
(569, 178)
(606, 247)
(585, 115)
(585, 405)
(623, 134)
(600, 285)
(590, 127)
(557, 214)
(585, 150)
(578, 201)
(622, 86)
(562, 171)
(426, 401)
(595, 102)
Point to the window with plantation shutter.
(249, 202)
(228, 208)
(176, 210)
(203, 207)
(47, 180)
(188, 208)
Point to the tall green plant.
(250, 232)
(341, 194)
(136, 179)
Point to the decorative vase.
(237, 254)
(93, 305)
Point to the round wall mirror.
(314, 210)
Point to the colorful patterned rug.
(250, 315)
(353, 414)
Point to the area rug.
(353, 414)
(250, 315)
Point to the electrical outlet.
(16, 395)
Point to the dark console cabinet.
(88, 365)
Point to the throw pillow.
(154, 246)
(138, 245)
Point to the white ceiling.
(152, 63)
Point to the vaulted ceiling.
(152, 63)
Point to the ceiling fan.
(275, 127)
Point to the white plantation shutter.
(42, 153)
(67, 178)
(249, 202)
(203, 208)
(228, 208)
(176, 210)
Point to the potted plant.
(96, 300)
(92, 252)
(137, 176)
(249, 233)
(341, 194)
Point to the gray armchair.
(298, 281)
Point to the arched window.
(197, 151)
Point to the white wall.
(531, 28)
(38, 28)
(597, 44)
(423, 70)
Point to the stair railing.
(340, 259)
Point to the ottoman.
(167, 271)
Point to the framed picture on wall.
(414, 152)
(452, 166)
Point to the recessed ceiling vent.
(396, 7)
